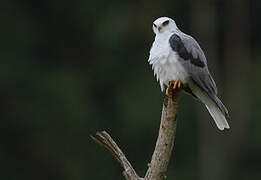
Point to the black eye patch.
(165, 23)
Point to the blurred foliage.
(70, 68)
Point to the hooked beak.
(157, 27)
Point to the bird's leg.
(177, 84)
(173, 85)
(170, 88)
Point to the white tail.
(213, 109)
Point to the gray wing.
(194, 61)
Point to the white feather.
(214, 111)
(165, 61)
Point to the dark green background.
(71, 68)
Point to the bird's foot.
(173, 86)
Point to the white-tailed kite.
(177, 57)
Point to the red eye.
(155, 25)
(165, 23)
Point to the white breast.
(165, 62)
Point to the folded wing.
(200, 83)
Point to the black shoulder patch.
(197, 62)
(177, 45)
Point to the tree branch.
(105, 140)
(164, 145)
(165, 142)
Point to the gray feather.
(194, 61)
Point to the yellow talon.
(179, 83)
(169, 91)
(171, 83)
(175, 84)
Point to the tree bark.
(164, 145)
(165, 142)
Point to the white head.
(164, 24)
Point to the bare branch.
(105, 140)
(164, 145)
(165, 142)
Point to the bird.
(177, 58)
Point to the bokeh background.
(71, 68)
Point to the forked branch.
(158, 166)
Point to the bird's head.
(164, 24)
